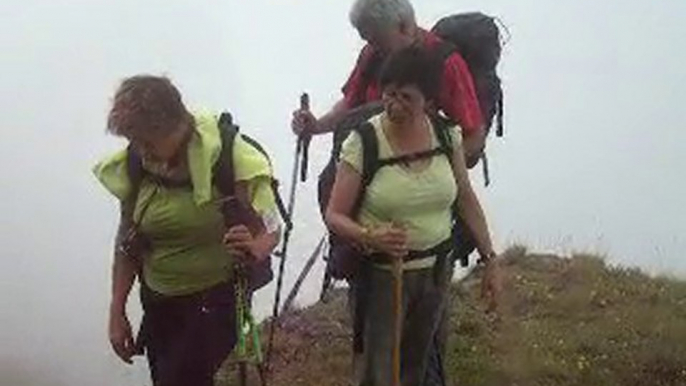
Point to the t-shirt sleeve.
(113, 174)
(351, 152)
(455, 133)
(458, 95)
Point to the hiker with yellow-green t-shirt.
(198, 216)
(401, 181)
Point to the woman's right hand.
(304, 122)
(121, 336)
(390, 240)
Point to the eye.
(406, 97)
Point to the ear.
(404, 27)
(407, 28)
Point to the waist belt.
(441, 249)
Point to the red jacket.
(457, 99)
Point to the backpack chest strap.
(407, 159)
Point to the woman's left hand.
(240, 243)
(491, 284)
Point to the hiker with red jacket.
(388, 26)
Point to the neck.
(406, 126)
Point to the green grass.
(572, 321)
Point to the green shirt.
(184, 224)
(420, 199)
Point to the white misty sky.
(591, 159)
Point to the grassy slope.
(562, 322)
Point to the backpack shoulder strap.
(441, 127)
(134, 170)
(223, 176)
(370, 152)
(274, 182)
(370, 159)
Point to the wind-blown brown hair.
(146, 103)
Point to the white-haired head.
(381, 14)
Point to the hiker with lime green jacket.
(197, 211)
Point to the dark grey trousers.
(423, 309)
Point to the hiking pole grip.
(304, 139)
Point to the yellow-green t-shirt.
(421, 200)
(184, 224)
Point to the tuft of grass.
(562, 321)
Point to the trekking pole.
(304, 102)
(484, 165)
(326, 285)
(290, 299)
(397, 317)
(247, 332)
(305, 138)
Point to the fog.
(591, 159)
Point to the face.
(403, 104)
(158, 147)
(385, 39)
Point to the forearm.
(473, 145)
(124, 269)
(473, 215)
(347, 228)
(327, 122)
(123, 276)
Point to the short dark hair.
(146, 102)
(414, 66)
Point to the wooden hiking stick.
(397, 317)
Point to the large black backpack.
(223, 178)
(476, 37)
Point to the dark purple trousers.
(186, 338)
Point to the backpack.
(223, 178)
(476, 37)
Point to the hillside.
(562, 321)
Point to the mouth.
(396, 116)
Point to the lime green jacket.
(184, 225)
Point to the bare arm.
(469, 206)
(473, 146)
(339, 211)
(471, 211)
(123, 269)
(327, 122)
(123, 274)
(305, 122)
